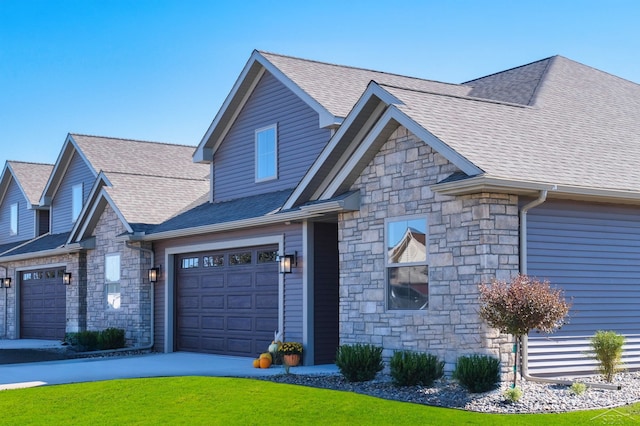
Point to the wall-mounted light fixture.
(6, 282)
(154, 273)
(66, 278)
(286, 262)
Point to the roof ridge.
(357, 68)
(468, 98)
(132, 140)
(509, 69)
(35, 163)
(156, 176)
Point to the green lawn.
(228, 401)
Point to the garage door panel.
(189, 302)
(189, 322)
(213, 323)
(241, 346)
(267, 325)
(237, 279)
(213, 302)
(213, 344)
(267, 301)
(213, 281)
(239, 324)
(239, 301)
(266, 279)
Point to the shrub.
(578, 388)
(607, 349)
(411, 368)
(83, 340)
(111, 338)
(477, 373)
(359, 363)
(513, 395)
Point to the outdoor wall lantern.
(66, 278)
(153, 275)
(286, 262)
(6, 282)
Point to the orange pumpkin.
(256, 363)
(265, 362)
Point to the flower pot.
(291, 360)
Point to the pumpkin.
(266, 355)
(265, 362)
(256, 363)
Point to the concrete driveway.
(28, 374)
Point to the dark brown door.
(42, 304)
(227, 301)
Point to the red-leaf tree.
(522, 305)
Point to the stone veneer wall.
(134, 314)
(471, 239)
(74, 264)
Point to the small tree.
(607, 349)
(522, 305)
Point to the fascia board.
(38, 254)
(5, 181)
(373, 90)
(88, 208)
(92, 215)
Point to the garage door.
(227, 301)
(42, 304)
(593, 253)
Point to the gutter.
(524, 367)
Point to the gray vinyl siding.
(299, 142)
(592, 252)
(293, 318)
(26, 217)
(77, 172)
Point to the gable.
(299, 140)
(26, 216)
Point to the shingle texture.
(32, 177)
(43, 243)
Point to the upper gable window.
(76, 201)
(267, 153)
(13, 225)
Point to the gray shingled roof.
(44, 243)
(337, 87)
(228, 211)
(32, 177)
(582, 130)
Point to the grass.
(231, 401)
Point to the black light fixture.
(153, 275)
(66, 278)
(286, 262)
(6, 282)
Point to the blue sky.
(159, 70)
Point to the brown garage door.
(227, 301)
(42, 304)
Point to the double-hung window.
(407, 263)
(266, 153)
(112, 280)
(13, 220)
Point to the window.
(76, 201)
(13, 226)
(243, 258)
(189, 262)
(213, 261)
(266, 153)
(112, 280)
(407, 268)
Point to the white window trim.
(13, 219)
(76, 205)
(107, 282)
(388, 264)
(275, 156)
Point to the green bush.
(578, 388)
(359, 363)
(111, 338)
(607, 349)
(513, 395)
(411, 368)
(477, 373)
(84, 340)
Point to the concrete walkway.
(14, 376)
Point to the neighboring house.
(391, 197)
(130, 184)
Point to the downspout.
(524, 359)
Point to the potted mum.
(291, 353)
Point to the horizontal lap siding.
(26, 217)
(299, 142)
(592, 252)
(77, 172)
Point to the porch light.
(6, 282)
(66, 278)
(153, 275)
(286, 262)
